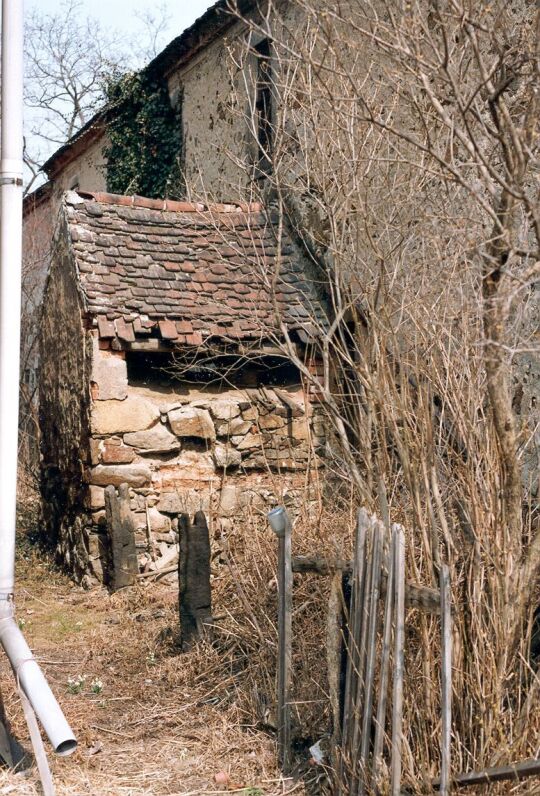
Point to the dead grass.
(164, 723)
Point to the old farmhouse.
(170, 315)
(165, 327)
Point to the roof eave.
(92, 130)
(212, 24)
(203, 32)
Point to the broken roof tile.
(124, 330)
(167, 330)
(105, 327)
(184, 327)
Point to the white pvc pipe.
(35, 686)
(27, 671)
(11, 172)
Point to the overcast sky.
(121, 14)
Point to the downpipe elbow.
(32, 681)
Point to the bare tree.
(70, 59)
(404, 150)
(155, 23)
(67, 59)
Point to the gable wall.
(214, 109)
(87, 169)
(64, 410)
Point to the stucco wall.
(87, 170)
(219, 150)
(38, 227)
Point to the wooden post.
(371, 648)
(361, 643)
(353, 653)
(11, 751)
(121, 528)
(281, 525)
(334, 657)
(385, 666)
(446, 679)
(5, 737)
(195, 594)
(399, 643)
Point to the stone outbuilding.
(163, 367)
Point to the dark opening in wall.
(263, 104)
(224, 371)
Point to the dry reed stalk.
(416, 198)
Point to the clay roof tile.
(145, 261)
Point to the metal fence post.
(281, 525)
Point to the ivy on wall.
(145, 132)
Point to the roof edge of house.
(93, 129)
(199, 35)
(170, 205)
(37, 197)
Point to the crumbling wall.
(37, 238)
(64, 399)
(184, 449)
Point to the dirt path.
(148, 719)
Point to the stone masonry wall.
(64, 398)
(184, 449)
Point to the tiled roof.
(187, 272)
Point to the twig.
(112, 732)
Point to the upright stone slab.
(195, 597)
(190, 421)
(121, 529)
(109, 374)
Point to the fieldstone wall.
(185, 449)
(64, 401)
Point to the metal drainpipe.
(26, 669)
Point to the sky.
(121, 14)
(122, 21)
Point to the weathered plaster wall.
(218, 90)
(87, 170)
(38, 227)
(38, 223)
(214, 112)
(64, 412)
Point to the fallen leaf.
(221, 778)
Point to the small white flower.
(76, 684)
